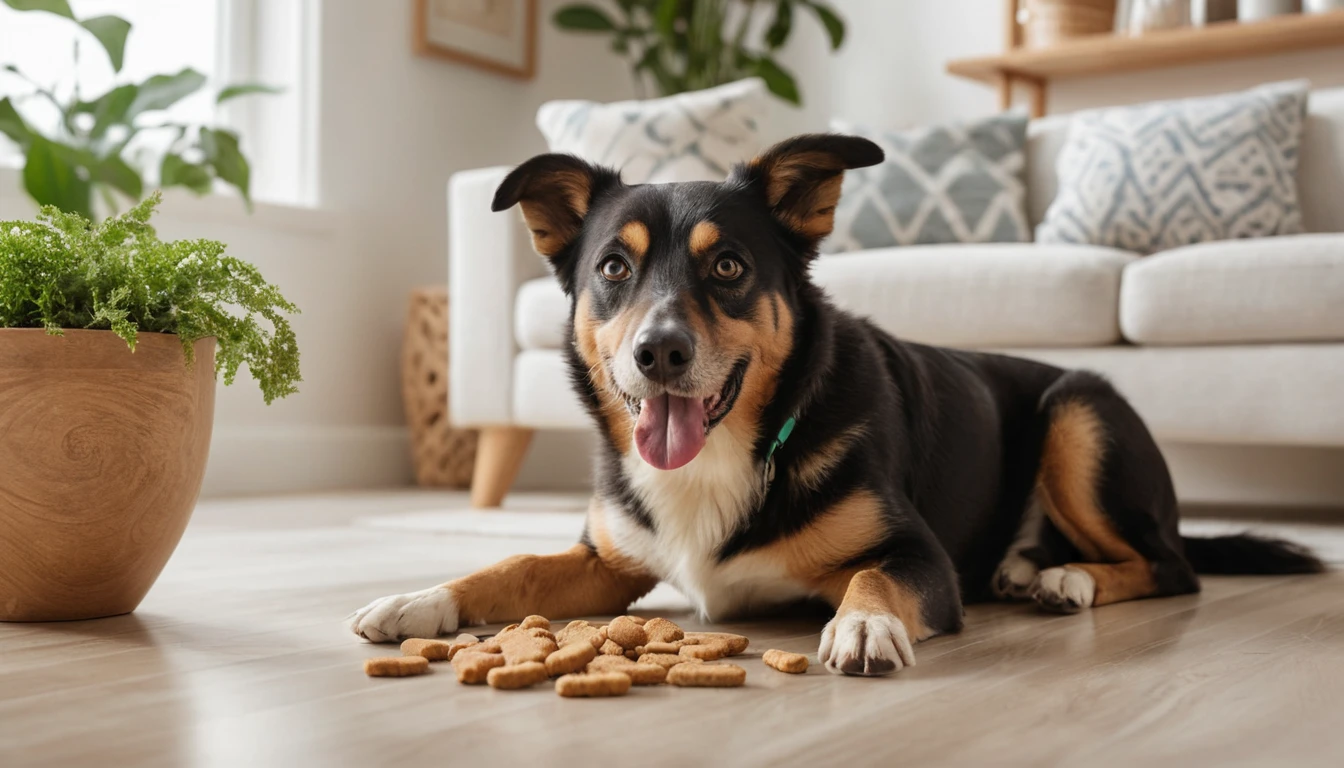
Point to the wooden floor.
(239, 658)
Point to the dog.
(761, 446)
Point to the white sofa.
(1229, 343)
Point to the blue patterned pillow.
(952, 183)
(1162, 175)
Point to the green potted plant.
(110, 343)
(101, 147)
(688, 45)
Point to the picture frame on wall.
(496, 35)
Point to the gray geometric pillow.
(1162, 175)
(954, 183)
(695, 136)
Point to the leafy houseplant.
(108, 340)
(90, 148)
(687, 45)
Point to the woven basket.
(1047, 22)
(443, 456)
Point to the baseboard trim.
(247, 461)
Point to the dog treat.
(463, 642)
(632, 654)
(656, 647)
(532, 622)
(396, 666)
(736, 643)
(570, 658)
(581, 631)
(626, 633)
(520, 647)
(710, 651)
(611, 648)
(793, 663)
(605, 663)
(540, 634)
(593, 684)
(472, 667)
(643, 674)
(515, 676)
(667, 660)
(707, 675)
(637, 619)
(433, 650)
(663, 631)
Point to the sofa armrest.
(489, 257)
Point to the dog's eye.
(614, 269)
(728, 268)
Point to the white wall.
(892, 71)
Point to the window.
(269, 41)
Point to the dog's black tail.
(1249, 554)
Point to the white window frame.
(275, 42)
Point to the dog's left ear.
(800, 178)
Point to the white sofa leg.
(499, 454)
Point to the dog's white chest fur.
(695, 509)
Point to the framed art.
(498, 35)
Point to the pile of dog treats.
(586, 660)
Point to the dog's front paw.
(427, 613)
(858, 643)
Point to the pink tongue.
(671, 430)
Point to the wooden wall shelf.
(1115, 54)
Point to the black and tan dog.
(762, 446)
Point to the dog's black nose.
(664, 353)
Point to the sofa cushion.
(1004, 294)
(540, 314)
(951, 183)
(695, 136)
(1167, 174)
(1269, 289)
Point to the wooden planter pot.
(102, 453)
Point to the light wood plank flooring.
(239, 658)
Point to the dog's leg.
(886, 609)
(1103, 485)
(576, 582)
(1017, 572)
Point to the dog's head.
(684, 295)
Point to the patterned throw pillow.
(695, 136)
(956, 183)
(1162, 175)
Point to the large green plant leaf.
(111, 31)
(835, 26)
(244, 89)
(110, 109)
(13, 125)
(114, 172)
(582, 17)
(177, 172)
(58, 7)
(777, 79)
(163, 91)
(222, 153)
(52, 176)
(779, 30)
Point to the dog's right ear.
(555, 192)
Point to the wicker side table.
(443, 456)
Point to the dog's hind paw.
(1014, 578)
(427, 613)
(1064, 590)
(867, 644)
